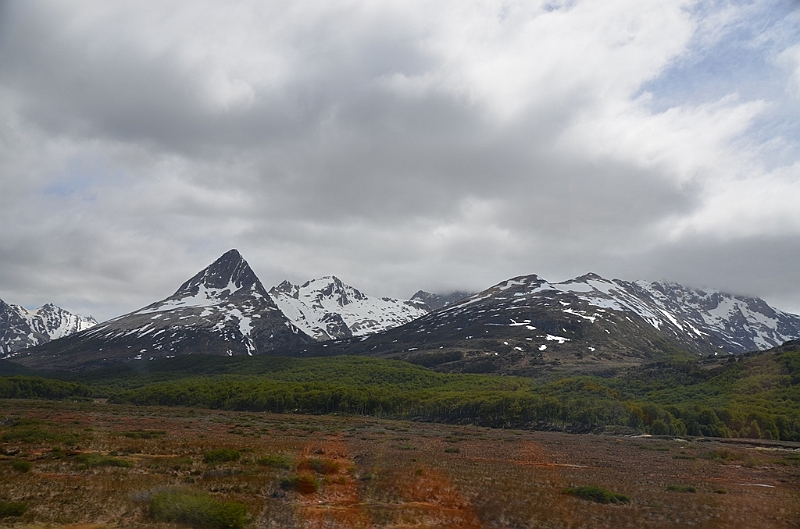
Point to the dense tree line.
(22, 387)
(578, 404)
(755, 396)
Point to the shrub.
(320, 466)
(722, 455)
(9, 508)
(99, 460)
(659, 427)
(198, 509)
(21, 465)
(304, 484)
(57, 453)
(452, 450)
(221, 455)
(29, 434)
(597, 494)
(681, 488)
(144, 434)
(276, 461)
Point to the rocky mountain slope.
(721, 322)
(529, 326)
(224, 309)
(21, 328)
(328, 309)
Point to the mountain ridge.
(529, 326)
(522, 325)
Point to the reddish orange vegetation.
(374, 473)
(338, 503)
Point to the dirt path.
(337, 503)
(438, 502)
(422, 498)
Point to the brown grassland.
(96, 465)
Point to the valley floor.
(97, 465)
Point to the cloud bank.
(398, 145)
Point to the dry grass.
(373, 473)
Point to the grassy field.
(99, 465)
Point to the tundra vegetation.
(343, 471)
(357, 442)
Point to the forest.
(754, 396)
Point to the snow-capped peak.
(21, 328)
(327, 308)
(230, 272)
(323, 293)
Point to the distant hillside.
(8, 368)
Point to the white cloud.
(790, 59)
(399, 145)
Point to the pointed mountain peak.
(522, 280)
(322, 282)
(337, 285)
(286, 287)
(230, 272)
(591, 276)
(331, 287)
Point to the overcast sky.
(400, 145)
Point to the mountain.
(21, 328)
(224, 309)
(436, 301)
(529, 326)
(525, 325)
(328, 309)
(722, 322)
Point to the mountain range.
(525, 325)
(528, 326)
(21, 328)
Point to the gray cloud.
(431, 145)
